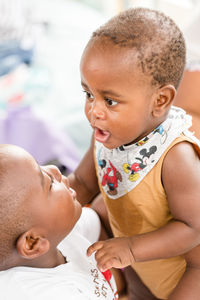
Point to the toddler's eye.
(89, 95)
(110, 102)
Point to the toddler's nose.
(97, 112)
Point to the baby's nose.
(66, 181)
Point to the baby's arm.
(181, 180)
(84, 179)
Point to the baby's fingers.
(94, 247)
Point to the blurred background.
(41, 42)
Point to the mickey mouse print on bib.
(121, 169)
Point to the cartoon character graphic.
(162, 132)
(140, 164)
(142, 142)
(147, 154)
(109, 175)
(110, 178)
(133, 169)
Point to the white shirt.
(78, 279)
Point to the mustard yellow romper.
(142, 209)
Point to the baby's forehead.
(12, 152)
(16, 163)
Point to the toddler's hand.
(114, 252)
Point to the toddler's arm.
(84, 179)
(181, 180)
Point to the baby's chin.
(76, 217)
(78, 210)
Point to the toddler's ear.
(31, 244)
(163, 100)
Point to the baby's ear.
(31, 245)
(163, 100)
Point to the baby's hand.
(114, 252)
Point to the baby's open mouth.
(101, 135)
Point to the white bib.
(121, 169)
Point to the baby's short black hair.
(14, 215)
(159, 43)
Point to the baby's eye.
(110, 102)
(52, 182)
(88, 95)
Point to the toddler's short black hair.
(158, 42)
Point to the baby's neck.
(49, 260)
